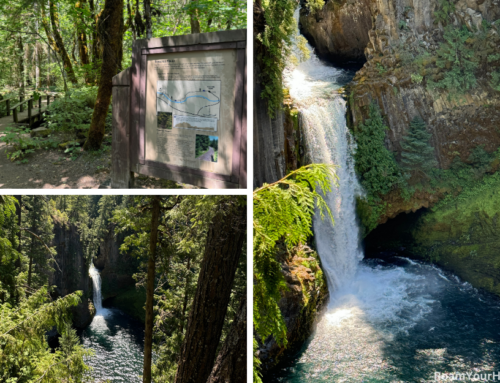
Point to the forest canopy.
(68, 45)
(199, 242)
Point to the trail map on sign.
(189, 98)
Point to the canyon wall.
(71, 271)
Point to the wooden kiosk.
(179, 112)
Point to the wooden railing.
(30, 107)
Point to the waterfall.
(96, 282)
(316, 90)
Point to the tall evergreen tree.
(417, 155)
(38, 230)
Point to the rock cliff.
(116, 268)
(459, 234)
(340, 31)
(71, 271)
(304, 300)
(434, 59)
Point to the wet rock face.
(116, 269)
(301, 305)
(460, 236)
(402, 31)
(71, 272)
(339, 32)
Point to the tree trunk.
(32, 247)
(54, 20)
(148, 336)
(231, 363)
(195, 23)
(38, 81)
(111, 38)
(19, 207)
(222, 251)
(20, 47)
(83, 50)
(147, 16)
(131, 20)
(186, 296)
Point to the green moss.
(132, 302)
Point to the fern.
(283, 211)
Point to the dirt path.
(52, 169)
(208, 155)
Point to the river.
(390, 319)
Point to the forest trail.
(23, 117)
(208, 155)
(51, 169)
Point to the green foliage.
(442, 14)
(181, 243)
(381, 69)
(36, 217)
(23, 144)
(402, 25)
(256, 363)
(73, 112)
(202, 144)
(300, 51)
(459, 60)
(416, 78)
(417, 155)
(315, 6)
(495, 81)
(375, 165)
(273, 48)
(24, 352)
(10, 290)
(283, 211)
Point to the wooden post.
(8, 107)
(30, 106)
(40, 109)
(120, 163)
(48, 100)
(21, 99)
(15, 115)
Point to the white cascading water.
(314, 87)
(96, 282)
(368, 305)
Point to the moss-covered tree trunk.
(54, 20)
(110, 27)
(20, 53)
(206, 319)
(83, 50)
(195, 22)
(148, 335)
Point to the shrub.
(375, 165)
(459, 59)
(417, 155)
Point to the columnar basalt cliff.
(116, 268)
(71, 271)
(439, 61)
(404, 49)
(340, 31)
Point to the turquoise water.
(118, 343)
(400, 320)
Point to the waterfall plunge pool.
(117, 341)
(399, 320)
(392, 320)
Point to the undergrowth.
(67, 119)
